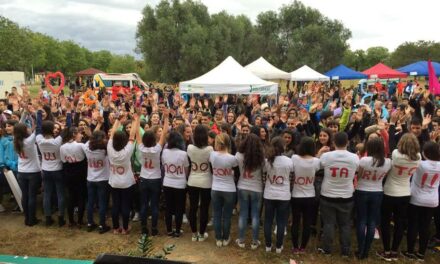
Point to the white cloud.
(111, 24)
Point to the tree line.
(180, 40)
(24, 50)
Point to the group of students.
(305, 164)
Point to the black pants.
(204, 196)
(419, 220)
(175, 202)
(302, 210)
(29, 184)
(76, 182)
(121, 199)
(395, 209)
(437, 220)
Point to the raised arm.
(166, 115)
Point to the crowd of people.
(315, 158)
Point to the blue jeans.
(97, 191)
(368, 206)
(29, 183)
(253, 200)
(149, 194)
(223, 203)
(280, 210)
(53, 181)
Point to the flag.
(434, 85)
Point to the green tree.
(374, 55)
(122, 64)
(101, 60)
(355, 59)
(410, 52)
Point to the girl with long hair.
(98, 172)
(369, 193)
(276, 193)
(75, 173)
(51, 166)
(150, 178)
(303, 193)
(223, 193)
(424, 199)
(250, 158)
(289, 140)
(176, 167)
(120, 149)
(199, 182)
(29, 171)
(397, 193)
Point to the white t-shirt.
(28, 161)
(397, 183)
(372, 176)
(278, 179)
(121, 175)
(150, 159)
(305, 170)
(50, 153)
(174, 163)
(72, 152)
(98, 168)
(250, 181)
(222, 172)
(339, 169)
(200, 175)
(424, 184)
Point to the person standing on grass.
(369, 193)
(176, 167)
(98, 172)
(75, 173)
(52, 167)
(250, 158)
(303, 193)
(199, 182)
(119, 149)
(424, 199)
(397, 193)
(150, 182)
(223, 193)
(29, 171)
(337, 190)
(276, 193)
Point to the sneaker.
(255, 244)
(126, 231)
(226, 242)
(177, 234)
(219, 243)
(194, 237)
(103, 229)
(420, 257)
(409, 255)
(170, 234)
(323, 251)
(135, 217)
(203, 237)
(234, 211)
(144, 230)
(240, 243)
(91, 227)
(268, 249)
(376, 234)
(279, 250)
(154, 232)
(302, 251)
(117, 231)
(384, 256)
(394, 256)
(184, 219)
(211, 222)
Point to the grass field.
(41, 241)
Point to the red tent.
(381, 71)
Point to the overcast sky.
(111, 24)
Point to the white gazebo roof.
(305, 73)
(263, 69)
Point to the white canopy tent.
(305, 73)
(263, 69)
(229, 77)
